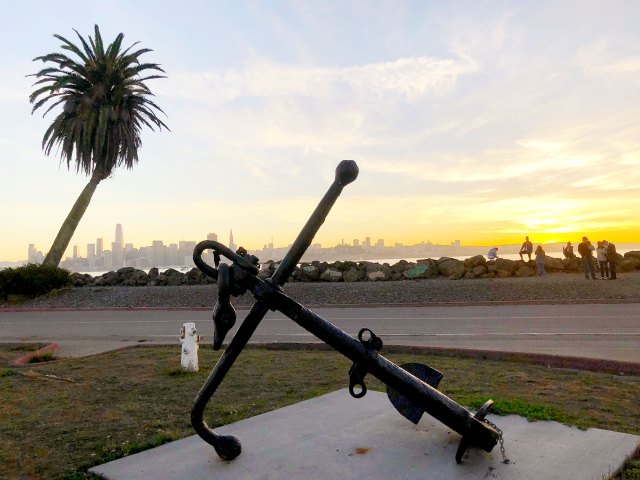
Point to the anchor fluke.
(406, 407)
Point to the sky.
(478, 121)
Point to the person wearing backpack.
(540, 258)
(612, 256)
(585, 249)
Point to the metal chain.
(505, 460)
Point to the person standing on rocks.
(601, 254)
(612, 256)
(527, 247)
(585, 249)
(540, 257)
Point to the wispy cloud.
(408, 78)
(598, 59)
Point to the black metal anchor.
(411, 387)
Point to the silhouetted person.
(527, 247)
(568, 251)
(493, 254)
(612, 256)
(540, 258)
(585, 249)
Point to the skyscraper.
(117, 254)
(119, 235)
(117, 248)
(213, 237)
(99, 247)
(232, 245)
(185, 252)
(91, 255)
(158, 253)
(31, 257)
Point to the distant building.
(75, 252)
(158, 253)
(185, 252)
(356, 242)
(232, 243)
(380, 243)
(119, 234)
(213, 237)
(108, 259)
(91, 255)
(99, 247)
(31, 253)
(117, 254)
(117, 247)
(172, 256)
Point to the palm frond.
(114, 48)
(67, 45)
(124, 54)
(99, 46)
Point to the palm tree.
(105, 103)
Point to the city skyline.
(159, 253)
(483, 122)
(34, 255)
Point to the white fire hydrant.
(189, 339)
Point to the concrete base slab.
(338, 437)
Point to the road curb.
(587, 301)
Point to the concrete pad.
(338, 437)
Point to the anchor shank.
(346, 172)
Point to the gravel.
(554, 288)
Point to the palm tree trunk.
(70, 224)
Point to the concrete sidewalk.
(338, 437)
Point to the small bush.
(32, 280)
(44, 357)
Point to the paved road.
(610, 331)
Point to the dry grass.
(129, 400)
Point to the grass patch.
(7, 372)
(531, 411)
(631, 469)
(177, 372)
(129, 400)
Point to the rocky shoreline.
(553, 288)
(471, 268)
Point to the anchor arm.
(474, 431)
(226, 446)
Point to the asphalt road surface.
(606, 331)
